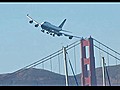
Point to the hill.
(40, 77)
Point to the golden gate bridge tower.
(88, 77)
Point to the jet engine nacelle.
(31, 21)
(59, 34)
(42, 31)
(36, 25)
(70, 37)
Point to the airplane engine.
(70, 37)
(31, 21)
(36, 25)
(47, 32)
(43, 31)
(50, 33)
(59, 34)
(53, 35)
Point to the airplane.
(50, 28)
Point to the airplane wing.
(71, 36)
(66, 31)
(52, 32)
(32, 20)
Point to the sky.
(22, 44)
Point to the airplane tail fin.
(61, 25)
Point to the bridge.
(81, 56)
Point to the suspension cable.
(46, 58)
(107, 52)
(108, 76)
(59, 63)
(43, 58)
(116, 65)
(75, 59)
(60, 51)
(72, 70)
(43, 65)
(100, 57)
(106, 69)
(108, 57)
(51, 64)
(52, 54)
(106, 46)
(72, 46)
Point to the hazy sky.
(22, 44)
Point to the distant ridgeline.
(40, 77)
